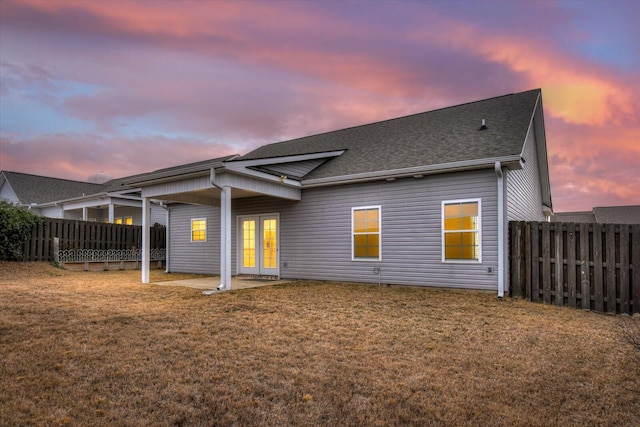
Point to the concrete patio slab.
(212, 282)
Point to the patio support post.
(85, 214)
(146, 238)
(225, 237)
(111, 213)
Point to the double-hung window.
(461, 231)
(199, 230)
(365, 229)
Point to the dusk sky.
(125, 87)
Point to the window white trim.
(479, 231)
(191, 230)
(359, 208)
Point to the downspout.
(501, 242)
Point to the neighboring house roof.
(445, 136)
(41, 189)
(585, 216)
(617, 214)
(602, 215)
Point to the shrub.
(16, 224)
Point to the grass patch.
(99, 348)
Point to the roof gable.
(448, 135)
(41, 189)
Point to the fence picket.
(515, 256)
(635, 257)
(624, 269)
(546, 262)
(571, 265)
(535, 262)
(585, 277)
(559, 265)
(610, 238)
(598, 282)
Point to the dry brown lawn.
(99, 348)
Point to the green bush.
(16, 224)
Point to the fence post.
(515, 235)
(635, 256)
(56, 249)
(585, 281)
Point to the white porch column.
(85, 214)
(146, 238)
(111, 213)
(225, 238)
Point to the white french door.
(258, 245)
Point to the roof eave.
(72, 199)
(511, 162)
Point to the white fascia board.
(512, 162)
(262, 176)
(236, 165)
(83, 204)
(124, 197)
(91, 197)
(172, 177)
(90, 200)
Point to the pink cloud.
(79, 156)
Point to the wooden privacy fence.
(79, 235)
(589, 266)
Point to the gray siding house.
(417, 200)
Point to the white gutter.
(512, 162)
(501, 241)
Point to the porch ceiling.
(209, 196)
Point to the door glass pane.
(249, 243)
(269, 243)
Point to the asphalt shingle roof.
(435, 137)
(41, 189)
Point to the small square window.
(199, 230)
